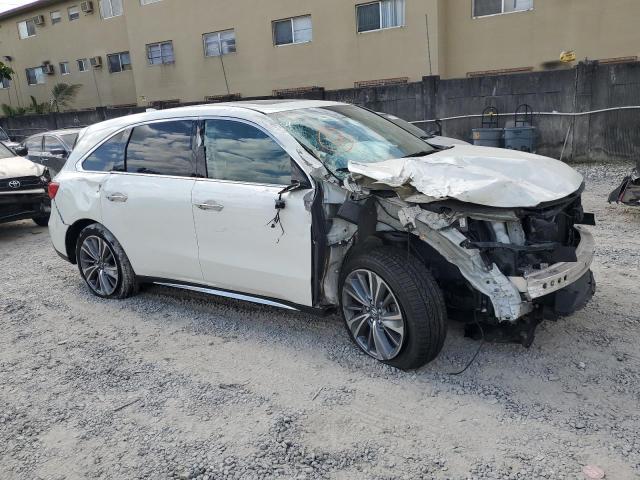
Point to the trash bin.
(520, 138)
(490, 135)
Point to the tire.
(113, 260)
(42, 220)
(418, 300)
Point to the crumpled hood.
(19, 167)
(485, 176)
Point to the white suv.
(326, 206)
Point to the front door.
(147, 205)
(245, 243)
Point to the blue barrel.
(488, 137)
(520, 138)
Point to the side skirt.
(236, 295)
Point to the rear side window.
(240, 152)
(109, 156)
(34, 144)
(163, 148)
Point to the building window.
(110, 8)
(482, 8)
(56, 17)
(64, 68)
(147, 2)
(219, 43)
(74, 13)
(83, 64)
(4, 83)
(380, 15)
(119, 62)
(26, 29)
(35, 76)
(159, 53)
(292, 30)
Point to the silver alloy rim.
(373, 314)
(98, 264)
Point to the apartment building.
(126, 52)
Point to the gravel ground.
(176, 385)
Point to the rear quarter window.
(109, 156)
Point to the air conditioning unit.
(38, 20)
(96, 62)
(86, 7)
(48, 69)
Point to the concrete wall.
(602, 136)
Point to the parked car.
(6, 141)
(50, 149)
(430, 138)
(324, 206)
(23, 189)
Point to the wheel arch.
(71, 237)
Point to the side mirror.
(21, 151)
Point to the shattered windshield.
(339, 134)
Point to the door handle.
(210, 205)
(117, 197)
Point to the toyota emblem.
(14, 184)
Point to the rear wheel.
(103, 264)
(393, 308)
(41, 220)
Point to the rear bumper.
(21, 206)
(556, 277)
(58, 232)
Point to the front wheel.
(103, 264)
(393, 308)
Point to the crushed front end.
(513, 267)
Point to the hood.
(19, 167)
(485, 176)
(10, 144)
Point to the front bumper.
(24, 205)
(556, 277)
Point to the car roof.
(63, 131)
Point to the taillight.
(53, 189)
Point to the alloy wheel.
(98, 265)
(373, 314)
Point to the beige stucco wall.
(68, 41)
(336, 58)
(595, 29)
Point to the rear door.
(146, 203)
(245, 244)
(34, 148)
(54, 154)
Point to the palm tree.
(63, 94)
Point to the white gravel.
(176, 385)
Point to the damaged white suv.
(326, 206)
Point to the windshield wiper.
(421, 153)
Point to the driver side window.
(243, 153)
